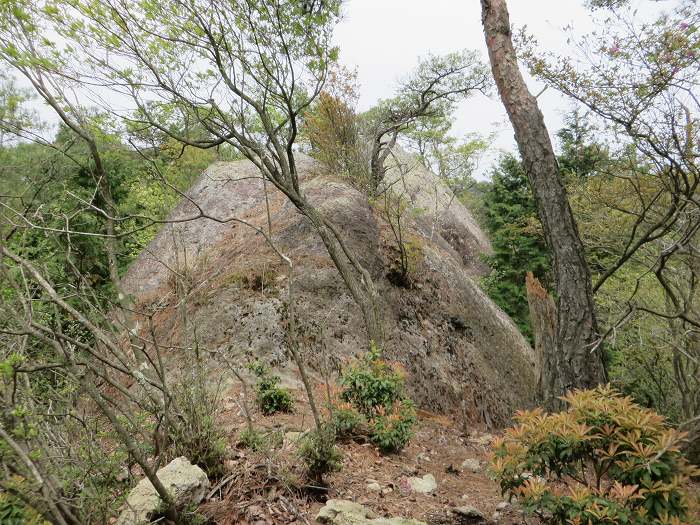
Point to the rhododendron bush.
(605, 460)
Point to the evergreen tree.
(518, 245)
(580, 155)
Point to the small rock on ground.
(187, 484)
(467, 514)
(344, 512)
(424, 485)
(471, 464)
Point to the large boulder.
(186, 483)
(344, 512)
(463, 355)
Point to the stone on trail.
(472, 465)
(187, 483)
(344, 512)
(424, 485)
(467, 514)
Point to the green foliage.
(50, 188)
(444, 79)
(647, 358)
(452, 159)
(510, 216)
(391, 431)
(258, 440)
(346, 420)
(617, 196)
(13, 511)
(516, 238)
(271, 398)
(252, 439)
(580, 155)
(197, 435)
(89, 475)
(372, 394)
(319, 453)
(371, 383)
(100, 496)
(605, 460)
(395, 208)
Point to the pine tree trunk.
(579, 360)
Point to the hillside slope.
(463, 355)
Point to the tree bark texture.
(543, 315)
(578, 354)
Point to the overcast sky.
(384, 39)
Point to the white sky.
(384, 39)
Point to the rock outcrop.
(462, 353)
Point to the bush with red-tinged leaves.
(603, 461)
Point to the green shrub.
(270, 397)
(318, 452)
(392, 431)
(12, 510)
(373, 394)
(605, 460)
(196, 434)
(252, 439)
(258, 441)
(371, 383)
(346, 420)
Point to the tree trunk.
(543, 315)
(579, 360)
(691, 447)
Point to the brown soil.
(266, 487)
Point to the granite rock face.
(462, 354)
